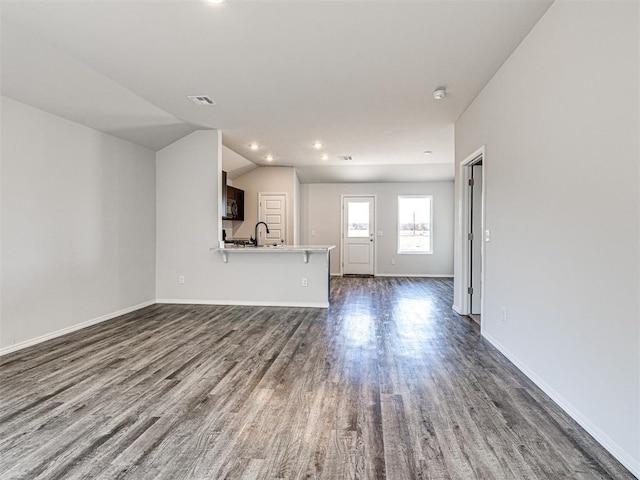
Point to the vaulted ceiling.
(357, 76)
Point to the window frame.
(421, 252)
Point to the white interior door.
(273, 211)
(358, 235)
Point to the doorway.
(475, 241)
(358, 239)
(473, 177)
(272, 209)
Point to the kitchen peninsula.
(192, 224)
(305, 250)
(283, 275)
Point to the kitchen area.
(260, 230)
(207, 224)
(194, 265)
(250, 194)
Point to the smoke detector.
(439, 93)
(345, 158)
(202, 100)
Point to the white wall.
(78, 224)
(265, 180)
(235, 164)
(321, 211)
(296, 208)
(188, 214)
(560, 125)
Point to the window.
(414, 224)
(358, 216)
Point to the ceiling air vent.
(345, 158)
(201, 100)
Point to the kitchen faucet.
(256, 230)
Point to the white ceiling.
(235, 165)
(355, 75)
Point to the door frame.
(465, 175)
(286, 211)
(373, 196)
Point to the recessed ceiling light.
(317, 145)
(427, 152)
(440, 93)
(216, 2)
(325, 157)
(254, 146)
(269, 158)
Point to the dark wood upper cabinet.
(232, 201)
(235, 208)
(223, 190)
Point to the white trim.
(416, 275)
(222, 209)
(249, 303)
(456, 309)
(336, 274)
(73, 328)
(602, 438)
(415, 253)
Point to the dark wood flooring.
(388, 383)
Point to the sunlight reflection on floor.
(358, 327)
(413, 325)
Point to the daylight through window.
(358, 216)
(414, 224)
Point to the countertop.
(304, 249)
(277, 248)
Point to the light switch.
(487, 235)
(313, 233)
(380, 233)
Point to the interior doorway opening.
(475, 234)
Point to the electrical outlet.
(305, 283)
(313, 233)
(504, 314)
(181, 279)
(393, 261)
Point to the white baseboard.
(402, 275)
(414, 275)
(73, 328)
(249, 303)
(458, 310)
(602, 438)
